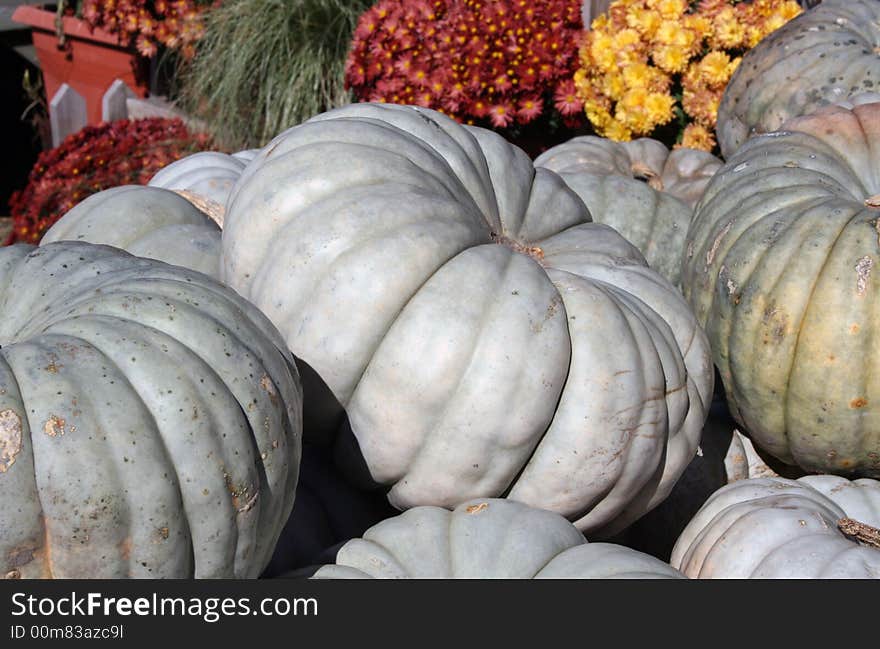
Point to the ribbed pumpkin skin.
(775, 528)
(780, 269)
(147, 222)
(486, 539)
(479, 336)
(822, 56)
(150, 426)
(210, 174)
(639, 188)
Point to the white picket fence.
(67, 109)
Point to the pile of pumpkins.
(391, 345)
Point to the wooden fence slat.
(67, 113)
(114, 102)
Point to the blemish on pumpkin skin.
(859, 402)
(710, 255)
(476, 509)
(54, 426)
(125, 548)
(267, 384)
(854, 329)
(10, 438)
(863, 272)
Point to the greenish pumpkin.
(781, 270)
(486, 539)
(823, 56)
(463, 329)
(147, 222)
(641, 189)
(150, 425)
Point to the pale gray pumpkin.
(780, 267)
(147, 222)
(150, 425)
(639, 188)
(486, 539)
(210, 174)
(823, 56)
(724, 456)
(475, 333)
(776, 528)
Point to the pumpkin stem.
(873, 201)
(532, 251)
(641, 171)
(860, 532)
(213, 209)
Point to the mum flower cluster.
(124, 152)
(646, 62)
(503, 61)
(147, 24)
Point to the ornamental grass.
(647, 64)
(265, 65)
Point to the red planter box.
(89, 62)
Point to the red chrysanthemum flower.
(174, 24)
(566, 99)
(95, 158)
(502, 115)
(498, 61)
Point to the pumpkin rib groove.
(356, 250)
(397, 315)
(529, 465)
(478, 333)
(772, 89)
(808, 302)
(51, 454)
(741, 318)
(622, 453)
(165, 434)
(505, 493)
(647, 331)
(748, 230)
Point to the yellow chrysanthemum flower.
(730, 35)
(617, 131)
(698, 24)
(602, 52)
(671, 9)
(670, 59)
(597, 114)
(753, 36)
(672, 32)
(626, 38)
(637, 75)
(789, 10)
(660, 108)
(696, 136)
(612, 86)
(600, 23)
(645, 21)
(714, 69)
(773, 22)
(638, 49)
